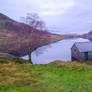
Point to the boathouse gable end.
(81, 51)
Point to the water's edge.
(60, 50)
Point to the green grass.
(54, 77)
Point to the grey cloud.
(62, 16)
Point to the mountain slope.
(16, 38)
(4, 17)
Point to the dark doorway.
(86, 55)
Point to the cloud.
(60, 15)
(48, 7)
(56, 7)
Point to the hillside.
(88, 35)
(56, 37)
(16, 38)
(85, 36)
(53, 77)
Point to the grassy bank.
(53, 77)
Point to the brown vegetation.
(15, 37)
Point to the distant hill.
(87, 35)
(90, 35)
(90, 32)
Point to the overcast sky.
(61, 16)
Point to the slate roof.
(84, 46)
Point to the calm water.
(57, 51)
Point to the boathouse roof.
(84, 46)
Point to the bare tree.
(33, 20)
